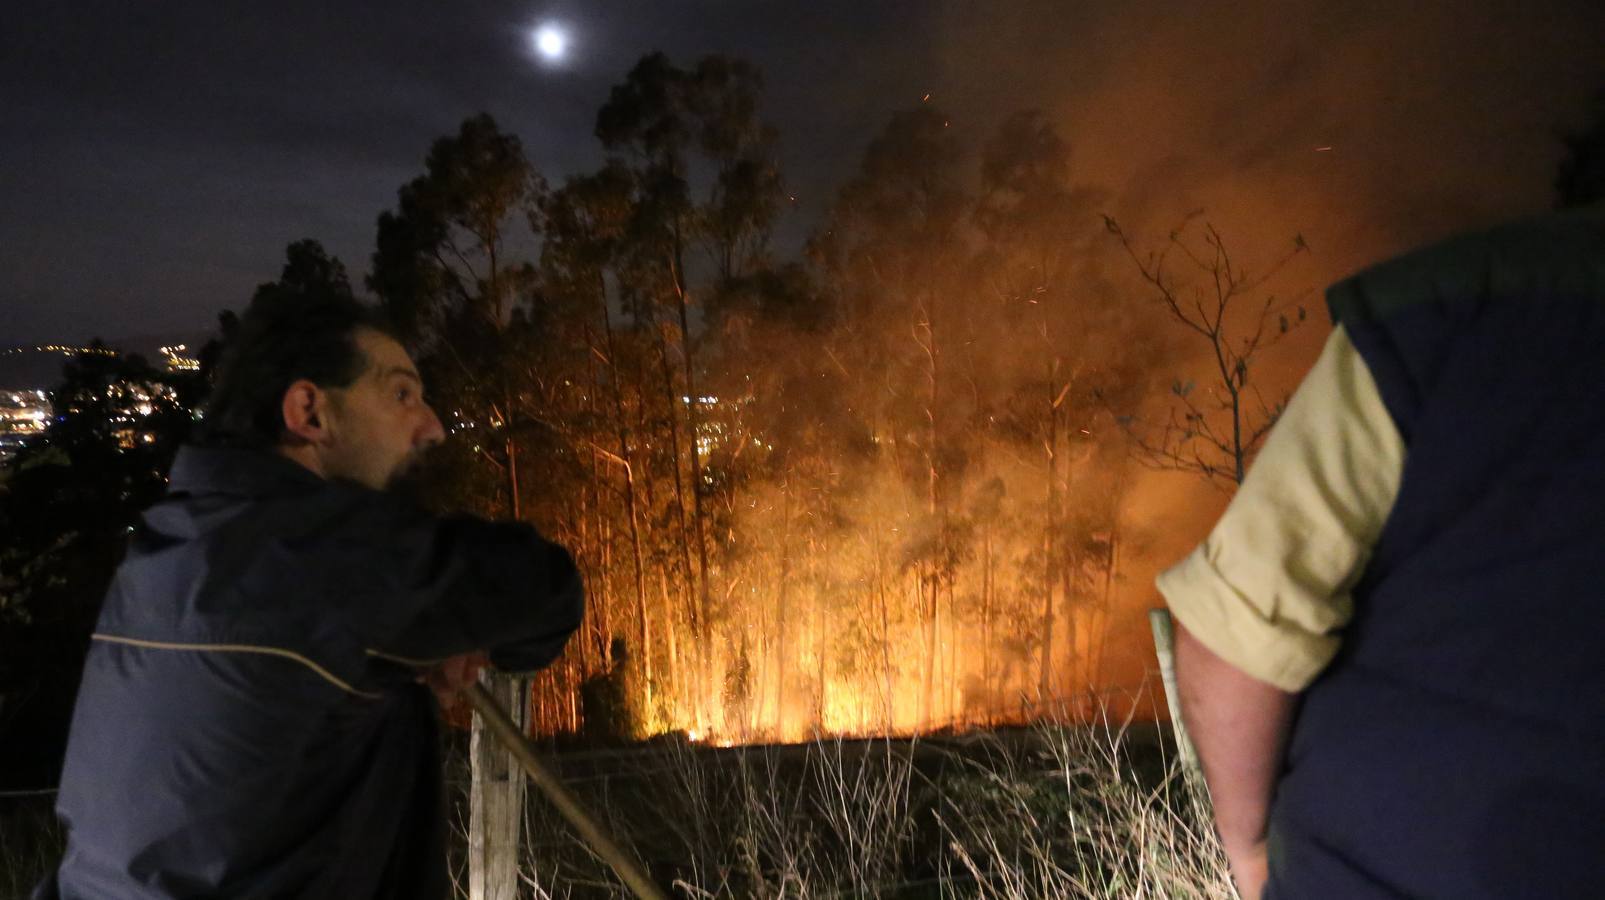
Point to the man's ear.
(304, 409)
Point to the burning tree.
(799, 493)
(1075, 343)
(893, 249)
(664, 119)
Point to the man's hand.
(1249, 869)
(448, 678)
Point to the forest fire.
(858, 384)
(866, 363)
(881, 494)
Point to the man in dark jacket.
(251, 721)
(1389, 653)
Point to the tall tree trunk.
(986, 615)
(816, 562)
(926, 589)
(671, 636)
(1051, 540)
(625, 456)
(1068, 562)
(647, 484)
(597, 626)
(1108, 598)
(1067, 593)
(594, 538)
(888, 695)
(682, 301)
(604, 615)
(934, 510)
(782, 610)
(955, 656)
(699, 641)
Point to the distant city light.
(63, 349)
(177, 361)
(23, 417)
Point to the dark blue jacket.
(1456, 746)
(250, 722)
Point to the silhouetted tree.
(1230, 310)
(309, 273)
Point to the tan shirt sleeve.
(1268, 590)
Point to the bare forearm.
(1239, 726)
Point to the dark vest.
(1455, 747)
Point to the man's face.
(380, 425)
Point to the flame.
(822, 627)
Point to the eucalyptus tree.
(705, 176)
(893, 249)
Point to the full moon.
(551, 42)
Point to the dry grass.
(1050, 811)
(1075, 818)
(31, 843)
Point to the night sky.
(157, 157)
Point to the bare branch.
(1192, 439)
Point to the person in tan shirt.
(1261, 603)
(1387, 648)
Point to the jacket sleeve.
(462, 584)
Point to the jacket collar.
(1556, 254)
(237, 472)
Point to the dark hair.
(279, 341)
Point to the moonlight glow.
(551, 42)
